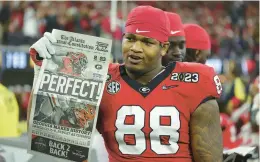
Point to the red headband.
(175, 24)
(196, 37)
(149, 22)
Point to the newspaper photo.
(67, 95)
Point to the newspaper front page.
(67, 95)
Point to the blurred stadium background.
(233, 27)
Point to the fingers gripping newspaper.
(67, 95)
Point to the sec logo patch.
(113, 87)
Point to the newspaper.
(67, 95)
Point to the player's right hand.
(43, 48)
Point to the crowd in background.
(233, 28)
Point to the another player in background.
(198, 50)
(177, 49)
(197, 43)
(170, 114)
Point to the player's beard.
(190, 57)
(145, 72)
(134, 71)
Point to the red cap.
(176, 26)
(196, 37)
(149, 22)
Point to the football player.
(197, 43)
(198, 49)
(150, 112)
(61, 110)
(74, 64)
(177, 48)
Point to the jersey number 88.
(158, 130)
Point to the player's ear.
(164, 48)
(197, 55)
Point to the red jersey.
(144, 123)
